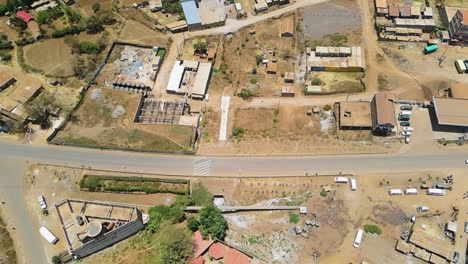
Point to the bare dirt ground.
(284, 129)
(7, 249)
(135, 32)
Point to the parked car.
(405, 124)
(42, 202)
(455, 258)
(422, 208)
(403, 118)
(406, 133)
(407, 139)
(466, 227)
(410, 129)
(406, 107)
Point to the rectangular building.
(355, 115)
(383, 115)
(458, 26)
(6, 80)
(191, 14)
(287, 28)
(451, 111)
(202, 80)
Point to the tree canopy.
(173, 245)
(212, 223)
(200, 46)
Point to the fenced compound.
(154, 111)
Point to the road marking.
(201, 166)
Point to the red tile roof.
(233, 256)
(217, 250)
(199, 244)
(24, 16)
(199, 260)
(393, 11)
(465, 17)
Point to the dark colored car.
(406, 107)
(405, 124)
(403, 118)
(455, 258)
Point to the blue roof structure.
(191, 12)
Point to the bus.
(48, 235)
(357, 240)
(430, 49)
(432, 191)
(460, 65)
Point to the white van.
(357, 240)
(353, 184)
(48, 235)
(408, 129)
(411, 191)
(405, 112)
(395, 192)
(341, 179)
(460, 66)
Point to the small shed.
(289, 77)
(303, 210)
(313, 89)
(451, 227)
(287, 91)
(23, 15)
(272, 67)
(287, 28)
(405, 11)
(393, 11)
(415, 11)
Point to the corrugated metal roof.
(191, 12)
(384, 111)
(451, 111)
(176, 77)
(201, 79)
(381, 3)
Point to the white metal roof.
(201, 79)
(176, 77)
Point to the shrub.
(316, 81)
(293, 218)
(200, 195)
(200, 46)
(95, 7)
(246, 94)
(238, 131)
(253, 80)
(193, 224)
(212, 223)
(373, 229)
(327, 107)
(3, 10)
(6, 45)
(254, 70)
(323, 193)
(87, 47)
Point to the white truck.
(411, 191)
(358, 238)
(353, 184)
(51, 238)
(433, 191)
(395, 192)
(341, 179)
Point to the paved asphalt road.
(13, 157)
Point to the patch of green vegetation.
(180, 130)
(254, 240)
(85, 141)
(327, 107)
(316, 81)
(238, 132)
(246, 94)
(373, 229)
(253, 80)
(323, 193)
(98, 183)
(293, 218)
(173, 7)
(200, 46)
(200, 195)
(212, 223)
(337, 39)
(87, 47)
(346, 87)
(132, 135)
(161, 53)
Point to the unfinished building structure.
(90, 226)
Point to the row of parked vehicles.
(404, 118)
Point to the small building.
(289, 77)
(191, 14)
(287, 28)
(451, 229)
(415, 11)
(428, 13)
(13, 111)
(202, 79)
(313, 89)
(355, 115)
(272, 67)
(35, 30)
(458, 26)
(155, 5)
(260, 6)
(238, 7)
(6, 80)
(178, 26)
(287, 91)
(23, 15)
(435, 245)
(393, 12)
(383, 114)
(405, 12)
(381, 8)
(27, 92)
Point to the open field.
(285, 129)
(339, 82)
(105, 119)
(53, 57)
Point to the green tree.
(373, 229)
(94, 25)
(246, 94)
(95, 7)
(173, 245)
(212, 223)
(200, 195)
(18, 23)
(238, 131)
(87, 47)
(293, 218)
(200, 46)
(193, 224)
(3, 10)
(56, 260)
